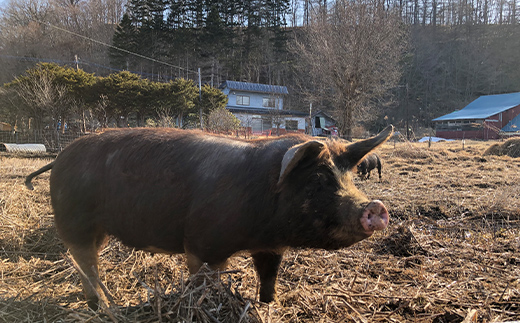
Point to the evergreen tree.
(276, 10)
(123, 93)
(246, 39)
(125, 41)
(214, 36)
(152, 30)
(176, 15)
(138, 12)
(211, 99)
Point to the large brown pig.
(176, 191)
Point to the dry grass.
(451, 253)
(509, 148)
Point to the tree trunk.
(349, 122)
(346, 122)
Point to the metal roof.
(513, 125)
(255, 87)
(485, 106)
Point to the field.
(450, 254)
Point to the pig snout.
(375, 217)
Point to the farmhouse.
(260, 108)
(488, 117)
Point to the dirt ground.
(450, 254)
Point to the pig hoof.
(268, 298)
(93, 304)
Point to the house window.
(242, 100)
(291, 125)
(268, 102)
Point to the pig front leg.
(267, 263)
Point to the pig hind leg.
(267, 264)
(86, 258)
(84, 243)
(379, 169)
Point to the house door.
(256, 125)
(260, 125)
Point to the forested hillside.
(450, 52)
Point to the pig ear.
(298, 154)
(355, 152)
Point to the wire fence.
(54, 140)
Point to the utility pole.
(200, 102)
(310, 119)
(407, 115)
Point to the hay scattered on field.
(16, 309)
(205, 297)
(400, 242)
(212, 301)
(450, 254)
(510, 148)
(408, 151)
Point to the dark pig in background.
(369, 163)
(176, 191)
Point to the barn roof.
(485, 106)
(255, 87)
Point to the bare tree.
(352, 57)
(99, 112)
(20, 30)
(42, 98)
(49, 29)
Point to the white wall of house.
(261, 123)
(300, 122)
(252, 100)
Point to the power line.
(116, 48)
(81, 62)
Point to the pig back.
(162, 188)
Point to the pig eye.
(324, 180)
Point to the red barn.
(488, 117)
